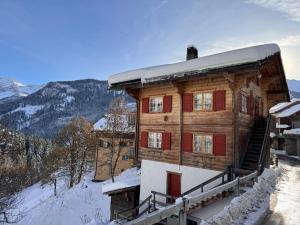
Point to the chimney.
(191, 52)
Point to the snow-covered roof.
(289, 111)
(282, 126)
(221, 60)
(292, 131)
(100, 124)
(282, 105)
(129, 178)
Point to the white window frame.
(203, 101)
(244, 103)
(205, 145)
(156, 104)
(155, 140)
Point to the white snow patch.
(28, 109)
(129, 178)
(229, 58)
(272, 135)
(292, 131)
(278, 125)
(100, 124)
(277, 152)
(82, 204)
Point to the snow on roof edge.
(224, 59)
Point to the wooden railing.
(182, 206)
(265, 147)
(169, 199)
(201, 186)
(133, 213)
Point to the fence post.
(238, 186)
(154, 202)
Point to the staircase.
(255, 146)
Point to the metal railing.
(201, 186)
(186, 202)
(265, 147)
(133, 213)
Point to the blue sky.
(47, 40)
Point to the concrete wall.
(154, 177)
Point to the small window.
(125, 157)
(244, 103)
(203, 101)
(203, 143)
(154, 140)
(156, 104)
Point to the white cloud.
(290, 7)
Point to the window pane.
(154, 140)
(207, 101)
(208, 144)
(198, 101)
(156, 104)
(197, 143)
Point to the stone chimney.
(191, 53)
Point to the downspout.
(137, 130)
(180, 127)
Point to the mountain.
(47, 110)
(294, 87)
(11, 88)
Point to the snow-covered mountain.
(294, 87)
(47, 110)
(10, 87)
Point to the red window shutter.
(187, 145)
(187, 102)
(219, 100)
(144, 139)
(248, 105)
(166, 141)
(167, 105)
(219, 144)
(145, 105)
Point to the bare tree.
(116, 124)
(76, 140)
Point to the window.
(125, 157)
(203, 101)
(156, 104)
(203, 143)
(244, 103)
(154, 140)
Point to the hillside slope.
(46, 111)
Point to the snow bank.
(224, 59)
(129, 178)
(292, 131)
(244, 208)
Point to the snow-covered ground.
(285, 209)
(83, 204)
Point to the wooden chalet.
(199, 117)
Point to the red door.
(174, 184)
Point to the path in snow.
(285, 211)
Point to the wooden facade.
(103, 154)
(261, 84)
